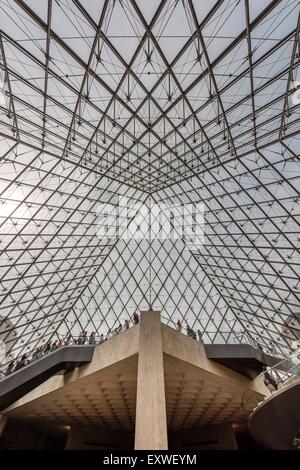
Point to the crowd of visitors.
(189, 331)
(81, 340)
(269, 380)
(91, 339)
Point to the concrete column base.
(151, 420)
(3, 422)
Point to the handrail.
(240, 337)
(66, 340)
(25, 379)
(281, 374)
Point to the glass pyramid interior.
(165, 101)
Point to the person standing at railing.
(39, 353)
(84, 338)
(47, 349)
(109, 334)
(80, 338)
(269, 380)
(92, 339)
(259, 346)
(126, 324)
(189, 330)
(271, 347)
(10, 368)
(200, 336)
(136, 318)
(179, 325)
(35, 355)
(22, 363)
(68, 340)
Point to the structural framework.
(166, 102)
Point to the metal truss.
(164, 101)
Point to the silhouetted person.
(80, 339)
(189, 330)
(179, 325)
(68, 339)
(126, 324)
(199, 336)
(18, 365)
(47, 349)
(259, 346)
(10, 368)
(136, 318)
(22, 363)
(84, 337)
(92, 339)
(269, 381)
(271, 347)
(109, 335)
(37, 354)
(34, 355)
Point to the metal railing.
(60, 342)
(270, 381)
(229, 337)
(67, 340)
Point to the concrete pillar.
(151, 420)
(3, 421)
(74, 439)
